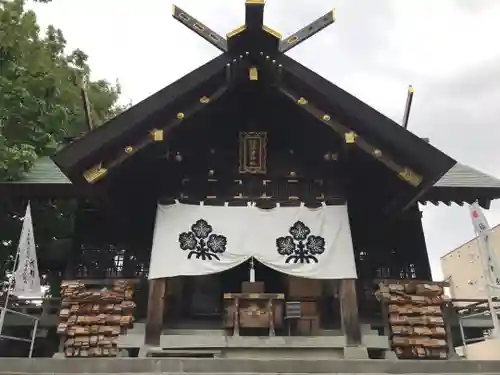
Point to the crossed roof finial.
(254, 22)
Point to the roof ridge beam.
(199, 28)
(254, 14)
(308, 31)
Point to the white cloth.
(199, 240)
(488, 258)
(26, 275)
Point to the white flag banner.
(194, 240)
(486, 252)
(26, 276)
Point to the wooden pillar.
(154, 318)
(450, 315)
(349, 312)
(423, 264)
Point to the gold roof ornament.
(272, 32)
(253, 74)
(350, 137)
(95, 173)
(157, 135)
(236, 31)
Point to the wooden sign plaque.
(253, 155)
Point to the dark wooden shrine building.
(252, 125)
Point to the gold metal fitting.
(326, 117)
(253, 74)
(180, 115)
(302, 101)
(95, 173)
(350, 137)
(129, 149)
(157, 135)
(204, 99)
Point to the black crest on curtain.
(201, 242)
(300, 246)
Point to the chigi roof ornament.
(254, 27)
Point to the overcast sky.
(447, 49)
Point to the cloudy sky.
(446, 49)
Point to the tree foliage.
(40, 90)
(40, 106)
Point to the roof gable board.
(111, 131)
(424, 157)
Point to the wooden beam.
(449, 315)
(404, 201)
(154, 318)
(484, 203)
(101, 170)
(86, 105)
(349, 312)
(350, 137)
(205, 32)
(308, 31)
(254, 14)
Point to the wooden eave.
(460, 195)
(464, 184)
(81, 154)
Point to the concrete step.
(255, 373)
(199, 366)
(184, 353)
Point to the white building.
(463, 268)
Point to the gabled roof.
(364, 120)
(256, 46)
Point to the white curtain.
(194, 240)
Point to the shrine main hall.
(254, 206)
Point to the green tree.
(40, 106)
(40, 90)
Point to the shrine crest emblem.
(300, 246)
(202, 243)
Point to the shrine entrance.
(202, 297)
(209, 302)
